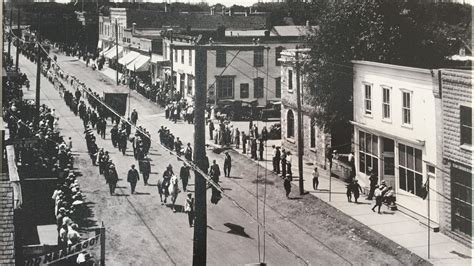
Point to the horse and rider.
(168, 186)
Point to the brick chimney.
(133, 28)
(308, 24)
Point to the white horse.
(170, 189)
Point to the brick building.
(456, 212)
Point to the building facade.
(396, 132)
(456, 214)
(315, 139)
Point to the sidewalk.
(395, 225)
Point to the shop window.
(461, 199)
(410, 170)
(368, 152)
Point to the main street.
(141, 231)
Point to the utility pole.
(172, 62)
(10, 31)
(300, 124)
(200, 226)
(116, 52)
(38, 71)
(18, 41)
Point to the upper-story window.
(466, 125)
(290, 80)
(258, 58)
(386, 103)
(182, 56)
(190, 57)
(165, 50)
(258, 87)
(278, 51)
(221, 58)
(225, 87)
(406, 108)
(278, 87)
(368, 99)
(175, 55)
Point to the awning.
(126, 59)
(112, 54)
(104, 51)
(99, 44)
(140, 64)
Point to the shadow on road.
(236, 230)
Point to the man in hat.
(111, 178)
(215, 172)
(373, 182)
(145, 168)
(227, 164)
(261, 148)
(134, 117)
(188, 152)
(189, 208)
(133, 178)
(184, 175)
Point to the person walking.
(277, 160)
(227, 164)
(287, 184)
(289, 161)
(188, 152)
(133, 178)
(244, 143)
(184, 175)
(112, 179)
(145, 168)
(315, 178)
(134, 117)
(283, 163)
(274, 158)
(211, 129)
(356, 189)
(215, 172)
(378, 198)
(253, 149)
(189, 208)
(237, 138)
(373, 183)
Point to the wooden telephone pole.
(10, 31)
(200, 159)
(18, 40)
(116, 52)
(300, 124)
(38, 71)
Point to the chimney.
(230, 12)
(246, 13)
(133, 28)
(213, 10)
(250, 10)
(223, 10)
(308, 24)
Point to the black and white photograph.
(248, 132)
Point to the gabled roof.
(154, 19)
(292, 31)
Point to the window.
(190, 57)
(258, 87)
(182, 56)
(258, 58)
(175, 55)
(221, 57)
(290, 80)
(225, 87)
(290, 124)
(244, 90)
(368, 153)
(278, 87)
(410, 170)
(312, 133)
(461, 198)
(386, 103)
(278, 51)
(181, 83)
(406, 108)
(466, 125)
(368, 99)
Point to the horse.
(170, 189)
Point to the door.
(388, 161)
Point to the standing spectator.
(133, 178)
(315, 178)
(287, 184)
(134, 117)
(188, 152)
(227, 164)
(237, 138)
(264, 134)
(261, 148)
(283, 163)
(274, 158)
(189, 208)
(215, 172)
(253, 149)
(373, 183)
(184, 175)
(289, 161)
(211, 129)
(329, 157)
(73, 237)
(244, 142)
(277, 160)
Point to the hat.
(383, 182)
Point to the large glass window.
(461, 198)
(244, 90)
(386, 103)
(406, 108)
(466, 125)
(258, 87)
(368, 99)
(410, 170)
(225, 87)
(258, 58)
(290, 124)
(368, 152)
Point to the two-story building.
(457, 174)
(396, 132)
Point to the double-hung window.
(368, 99)
(258, 87)
(221, 58)
(368, 152)
(225, 87)
(410, 169)
(386, 103)
(406, 107)
(258, 58)
(466, 125)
